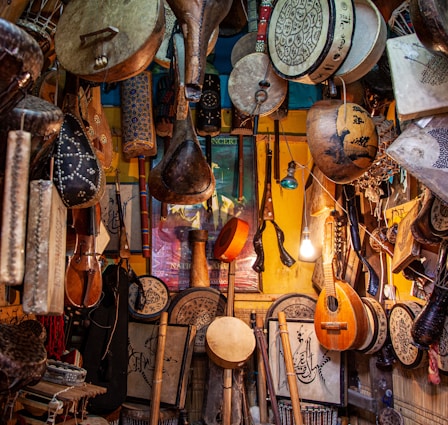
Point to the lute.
(340, 321)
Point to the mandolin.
(340, 321)
(83, 280)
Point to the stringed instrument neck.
(340, 321)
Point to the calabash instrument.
(429, 20)
(340, 321)
(21, 64)
(315, 43)
(342, 139)
(183, 176)
(368, 43)
(401, 318)
(197, 21)
(40, 19)
(120, 43)
(83, 280)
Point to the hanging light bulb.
(307, 250)
(290, 182)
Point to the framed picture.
(320, 372)
(142, 350)
(235, 196)
(130, 204)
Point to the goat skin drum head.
(342, 139)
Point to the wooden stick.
(144, 218)
(292, 380)
(261, 382)
(158, 370)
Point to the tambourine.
(401, 318)
(148, 297)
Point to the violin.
(83, 279)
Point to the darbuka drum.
(20, 65)
(39, 20)
(342, 139)
(113, 45)
(229, 342)
(162, 56)
(308, 41)
(368, 44)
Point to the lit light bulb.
(307, 250)
(290, 182)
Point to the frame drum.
(116, 44)
(308, 41)
(377, 326)
(368, 44)
(197, 306)
(401, 318)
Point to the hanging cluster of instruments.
(57, 149)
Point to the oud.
(340, 321)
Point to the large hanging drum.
(308, 41)
(113, 45)
(342, 139)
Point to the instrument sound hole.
(332, 303)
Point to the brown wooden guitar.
(340, 321)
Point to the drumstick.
(146, 251)
(292, 381)
(158, 370)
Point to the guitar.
(340, 321)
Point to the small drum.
(39, 20)
(308, 41)
(148, 297)
(377, 326)
(368, 44)
(197, 306)
(40, 118)
(254, 87)
(229, 342)
(21, 62)
(401, 318)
